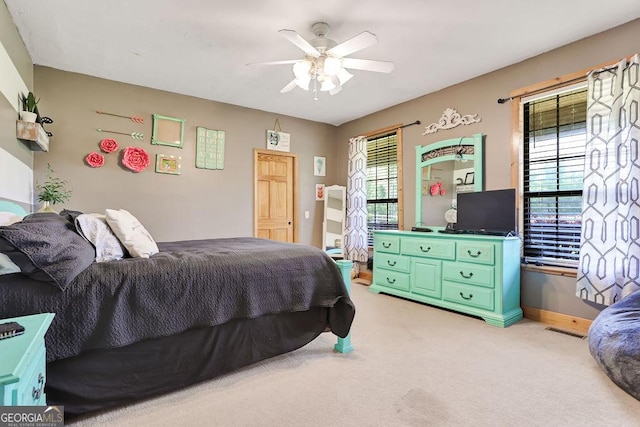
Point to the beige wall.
(197, 204)
(479, 96)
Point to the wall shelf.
(33, 134)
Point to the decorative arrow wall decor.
(134, 135)
(135, 119)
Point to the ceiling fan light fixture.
(332, 66)
(344, 76)
(303, 81)
(327, 84)
(302, 68)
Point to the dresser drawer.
(31, 389)
(391, 279)
(384, 243)
(468, 295)
(392, 262)
(431, 248)
(467, 273)
(478, 252)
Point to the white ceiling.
(202, 47)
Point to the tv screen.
(492, 211)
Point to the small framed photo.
(168, 164)
(319, 192)
(319, 166)
(468, 179)
(279, 141)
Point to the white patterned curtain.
(355, 245)
(609, 266)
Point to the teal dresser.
(23, 363)
(477, 275)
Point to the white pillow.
(94, 228)
(8, 218)
(131, 233)
(7, 266)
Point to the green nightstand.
(23, 362)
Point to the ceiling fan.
(325, 63)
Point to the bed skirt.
(100, 379)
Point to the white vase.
(46, 207)
(28, 116)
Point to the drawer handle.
(392, 263)
(467, 298)
(425, 250)
(466, 277)
(37, 392)
(391, 281)
(386, 245)
(474, 256)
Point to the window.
(382, 183)
(554, 135)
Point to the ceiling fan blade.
(367, 65)
(354, 44)
(289, 87)
(286, 61)
(297, 39)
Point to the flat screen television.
(487, 211)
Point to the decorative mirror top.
(448, 151)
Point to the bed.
(137, 327)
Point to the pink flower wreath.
(135, 158)
(95, 160)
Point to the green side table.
(23, 362)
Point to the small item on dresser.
(10, 329)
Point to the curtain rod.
(565, 83)
(546, 89)
(417, 122)
(381, 132)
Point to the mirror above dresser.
(443, 170)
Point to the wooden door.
(275, 195)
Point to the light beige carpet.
(413, 365)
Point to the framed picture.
(319, 166)
(167, 131)
(168, 164)
(468, 178)
(279, 141)
(319, 191)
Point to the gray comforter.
(188, 284)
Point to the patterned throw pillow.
(94, 228)
(131, 233)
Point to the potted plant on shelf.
(29, 111)
(54, 190)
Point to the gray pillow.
(46, 247)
